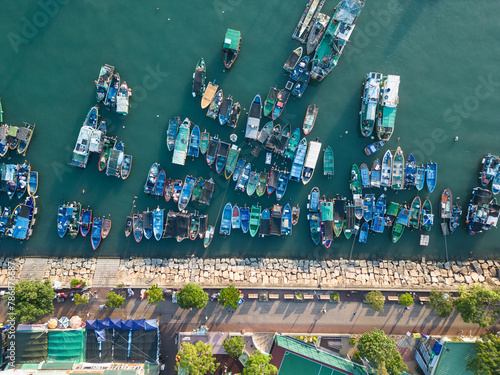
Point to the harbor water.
(446, 53)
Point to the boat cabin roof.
(390, 94)
(23, 134)
(232, 39)
(348, 11)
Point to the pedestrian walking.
(323, 311)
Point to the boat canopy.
(232, 39)
(492, 218)
(115, 162)
(348, 11)
(122, 105)
(95, 141)
(312, 154)
(390, 96)
(83, 141)
(252, 128)
(339, 207)
(326, 211)
(23, 134)
(481, 197)
(4, 130)
(198, 79)
(208, 190)
(177, 225)
(13, 131)
(265, 226)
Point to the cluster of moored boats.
(93, 139)
(111, 91)
(18, 180)
(73, 218)
(18, 222)
(276, 221)
(15, 137)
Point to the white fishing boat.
(312, 156)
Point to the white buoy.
(456, 138)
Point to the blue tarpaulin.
(115, 323)
(103, 324)
(139, 324)
(151, 324)
(437, 347)
(91, 324)
(127, 324)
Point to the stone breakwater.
(269, 272)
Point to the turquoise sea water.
(445, 52)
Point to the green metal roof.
(455, 360)
(232, 39)
(57, 365)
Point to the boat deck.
(303, 37)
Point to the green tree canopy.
(441, 303)
(30, 300)
(487, 359)
(81, 300)
(234, 346)
(406, 299)
(258, 364)
(376, 300)
(196, 359)
(74, 282)
(229, 297)
(478, 304)
(155, 295)
(192, 295)
(381, 349)
(114, 300)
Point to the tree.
(114, 300)
(487, 359)
(234, 346)
(229, 297)
(81, 300)
(196, 359)
(406, 299)
(376, 300)
(381, 349)
(28, 301)
(74, 282)
(192, 295)
(476, 304)
(441, 303)
(155, 295)
(258, 364)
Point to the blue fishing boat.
(374, 147)
(281, 184)
(298, 160)
(187, 190)
(95, 238)
(173, 128)
(301, 85)
(110, 99)
(238, 169)
(149, 186)
(300, 68)
(313, 205)
(244, 219)
(265, 223)
(368, 207)
(254, 116)
(282, 98)
(194, 142)
(235, 218)
(147, 224)
(213, 147)
(194, 226)
(273, 180)
(431, 176)
(244, 177)
(160, 184)
(158, 217)
(286, 221)
(92, 117)
(495, 184)
(137, 227)
(23, 175)
(85, 221)
(365, 175)
(314, 227)
(4, 220)
(222, 154)
(225, 109)
(363, 232)
(64, 213)
(102, 82)
(420, 177)
(225, 223)
(378, 221)
(376, 173)
(410, 171)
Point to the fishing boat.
(374, 147)
(181, 143)
(368, 207)
(385, 177)
(177, 190)
(410, 171)
(314, 227)
(4, 220)
(398, 170)
(300, 68)
(234, 115)
(262, 183)
(194, 226)
(106, 227)
(12, 141)
(231, 47)
(355, 180)
(263, 134)
(284, 138)
(4, 130)
(427, 218)
(327, 222)
(147, 223)
(335, 38)
(295, 214)
(11, 188)
(149, 186)
(456, 212)
(159, 188)
(129, 225)
(115, 161)
(207, 192)
(244, 177)
(244, 219)
(239, 168)
(213, 109)
(310, 161)
(281, 100)
(235, 218)
(286, 221)
(491, 165)
(222, 154)
(92, 117)
(232, 159)
(194, 142)
(64, 213)
(310, 118)
(369, 102)
(173, 128)
(317, 32)
(74, 220)
(197, 190)
(420, 178)
(23, 175)
(365, 175)
(281, 184)
(81, 152)
(389, 100)
(225, 109)
(225, 223)
(95, 237)
(363, 232)
(338, 215)
(293, 59)
(431, 176)
(199, 77)
(293, 143)
(186, 192)
(378, 221)
(391, 214)
(108, 146)
(253, 181)
(126, 166)
(273, 140)
(397, 228)
(301, 31)
(270, 101)
(122, 99)
(350, 226)
(446, 204)
(415, 210)
(24, 136)
(205, 138)
(482, 212)
(273, 180)
(276, 214)
(32, 183)
(138, 227)
(203, 226)
(495, 184)
(213, 147)
(209, 235)
(110, 99)
(169, 189)
(254, 116)
(85, 221)
(313, 197)
(209, 94)
(298, 160)
(254, 222)
(103, 81)
(328, 166)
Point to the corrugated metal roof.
(454, 358)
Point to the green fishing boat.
(254, 220)
(397, 231)
(270, 101)
(292, 144)
(388, 105)
(355, 180)
(415, 212)
(197, 190)
(231, 47)
(205, 138)
(398, 170)
(232, 159)
(74, 220)
(262, 184)
(338, 215)
(328, 167)
(252, 183)
(109, 144)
